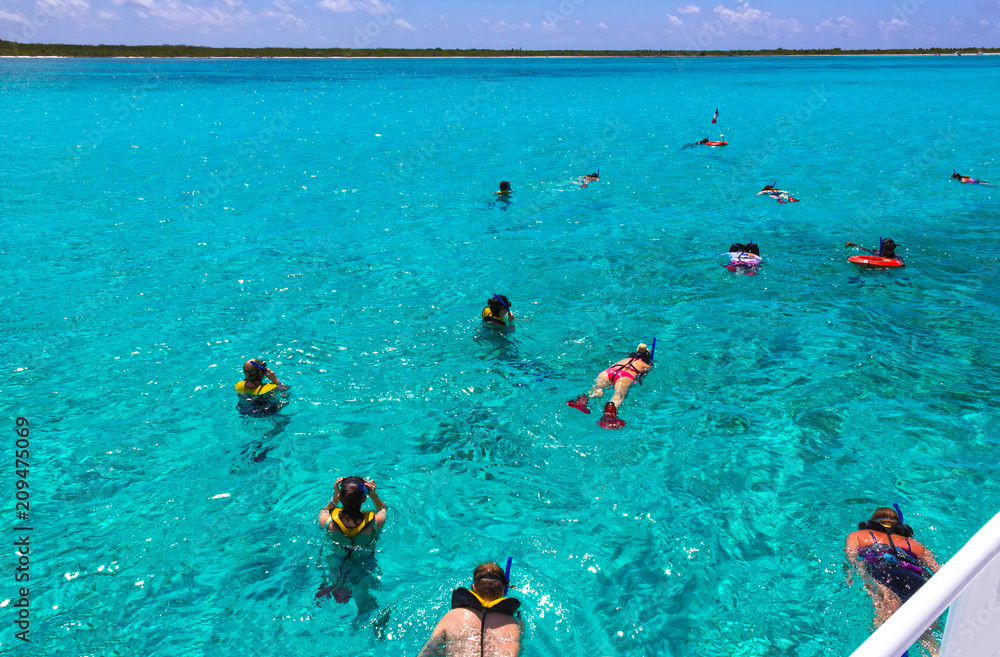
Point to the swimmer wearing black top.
(586, 180)
(698, 143)
(481, 622)
(967, 179)
(893, 563)
(887, 249)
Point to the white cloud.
(336, 5)
(284, 16)
(403, 24)
(182, 13)
(371, 6)
(891, 26)
(63, 8)
(550, 27)
(13, 18)
(675, 22)
(504, 26)
(983, 22)
(378, 7)
(843, 26)
(602, 26)
(754, 22)
(146, 4)
(689, 9)
(955, 24)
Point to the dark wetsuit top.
(897, 569)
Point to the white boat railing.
(973, 627)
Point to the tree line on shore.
(13, 48)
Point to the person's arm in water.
(860, 247)
(381, 508)
(851, 547)
(925, 555)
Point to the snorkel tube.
(652, 350)
(899, 513)
(506, 576)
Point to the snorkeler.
(697, 143)
(893, 569)
(621, 375)
(481, 622)
(780, 195)
(887, 249)
(586, 180)
(351, 528)
(256, 397)
(967, 179)
(497, 311)
(745, 258)
(504, 188)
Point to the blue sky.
(527, 24)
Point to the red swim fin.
(610, 419)
(580, 403)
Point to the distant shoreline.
(463, 56)
(11, 49)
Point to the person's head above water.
(885, 516)
(888, 247)
(749, 247)
(642, 353)
(499, 305)
(504, 185)
(254, 368)
(489, 581)
(887, 521)
(353, 493)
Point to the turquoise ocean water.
(164, 220)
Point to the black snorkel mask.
(897, 528)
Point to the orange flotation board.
(875, 261)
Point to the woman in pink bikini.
(621, 375)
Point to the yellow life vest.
(350, 532)
(488, 317)
(262, 389)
